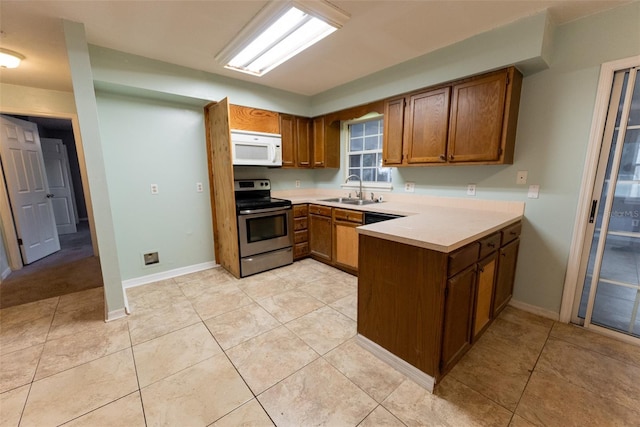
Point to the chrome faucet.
(360, 194)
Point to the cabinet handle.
(513, 233)
(491, 245)
(443, 157)
(481, 269)
(450, 156)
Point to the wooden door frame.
(571, 285)
(8, 225)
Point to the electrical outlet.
(409, 187)
(534, 192)
(199, 187)
(521, 179)
(297, 183)
(471, 190)
(154, 189)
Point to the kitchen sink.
(349, 201)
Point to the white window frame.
(355, 185)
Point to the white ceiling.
(379, 34)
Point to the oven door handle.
(257, 211)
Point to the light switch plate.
(297, 183)
(471, 190)
(154, 189)
(534, 191)
(409, 187)
(521, 179)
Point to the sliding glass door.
(610, 268)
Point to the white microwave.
(256, 148)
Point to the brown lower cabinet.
(320, 233)
(428, 307)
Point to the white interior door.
(59, 178)
(26, 180)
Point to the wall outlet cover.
(471, 190)
(199, 187)
(534, 192)
(409, 187)
(521, 178)
(297, 183)
(154, 189)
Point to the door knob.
(49, 196)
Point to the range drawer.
(489, 244)
(347, 215)
(300, 210)
(320, 210)
(511, 233)
(463, 258)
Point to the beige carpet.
(73, 268)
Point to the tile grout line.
(532, 370)
(135, 367)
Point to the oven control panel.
(252, 184)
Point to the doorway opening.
(75, 266)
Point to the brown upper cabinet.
(253, 119)
(296, 140)
(326, 142)
(470, 121)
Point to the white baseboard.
(5, 273)
(116, 314)
(410, 371)
(543, 312)
(156, 277)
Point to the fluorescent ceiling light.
(9, 58)
(279, 32)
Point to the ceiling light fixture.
(9, 58)
(278, 32)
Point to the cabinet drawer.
(300, 210)
(320, 210)
(511, 233)
(300, 250)
(347, 215)
(463, 258)
(489, 244)
(300, 236)
(300, 223)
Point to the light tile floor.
(278, 348)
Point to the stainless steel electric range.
(265, 227)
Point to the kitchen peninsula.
(430, 283)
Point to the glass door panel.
(611, 292)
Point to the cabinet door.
(393, 131)
(287, 130)
(303, 145)
(506, 275)
(477, 111)
(345, 244)
(318, 142)
(487, 269)
(456, 338)
(253, 119)
(320, 237)
(427, 126)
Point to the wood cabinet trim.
(253, 119)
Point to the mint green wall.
(148, 142)
(561, 71)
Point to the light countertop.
(437, 223)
